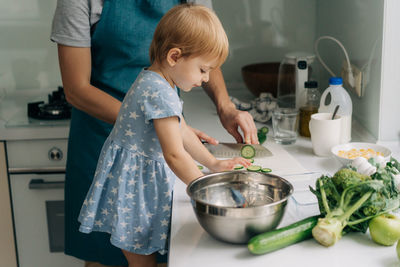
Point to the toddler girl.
(131, 194)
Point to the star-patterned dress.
(131, 194)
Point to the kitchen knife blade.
(230, 150)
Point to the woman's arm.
(75, 66)
(230, 117)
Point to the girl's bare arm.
(178, 159)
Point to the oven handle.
(41, 184)
(36, 170)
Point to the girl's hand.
(229, 164)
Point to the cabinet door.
(7, 243)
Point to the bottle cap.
(335, 81)
(311, 84)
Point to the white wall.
(389, 116)
(358, 24)
(264, 31)
(28, 59)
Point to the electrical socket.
(358, 78)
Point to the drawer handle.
(41, 184)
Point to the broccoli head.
(345, 178)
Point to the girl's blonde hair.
(194, 29)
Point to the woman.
(102, 47)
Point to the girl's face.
(190, 72)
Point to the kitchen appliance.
(36, 172)
(57, 107)
(217, 211)
(36, 151)
(294, 70)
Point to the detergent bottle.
(335, 95)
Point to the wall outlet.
(357, 88)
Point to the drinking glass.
(284, 124)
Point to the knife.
(230, 150)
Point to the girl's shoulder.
(151, 84)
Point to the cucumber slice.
(200, 167)
(264, 130)
(266, 170)
(251, 160)
(238, 167)
(248, 151)
(254, 168)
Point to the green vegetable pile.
(349, 200)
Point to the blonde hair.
(194, 29)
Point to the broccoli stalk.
(347, 200)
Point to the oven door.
(38, 205)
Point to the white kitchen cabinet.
(7, 243)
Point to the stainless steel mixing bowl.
(219, 213)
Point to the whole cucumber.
(283, 237)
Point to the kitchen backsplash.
(28, 60)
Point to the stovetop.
(15, 110)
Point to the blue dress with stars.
(131, 194)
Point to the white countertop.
(191, 246)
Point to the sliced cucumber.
(200, 167)
(280, 238)
(248, 151)
(251, 160)
(238, 167)
(266, 170)
(262, 134)
(254, 168)
(264, 130)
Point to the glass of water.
(284, 124)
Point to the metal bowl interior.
(219, 213)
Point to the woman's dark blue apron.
(120, 49)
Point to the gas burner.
(57, 107)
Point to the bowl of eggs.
(346, 153)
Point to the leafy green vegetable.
(349, 200)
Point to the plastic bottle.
(335, 95)
(310, 107)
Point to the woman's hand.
(229, 164)
(203, 136)
(232, 119)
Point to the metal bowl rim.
(234, 208)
